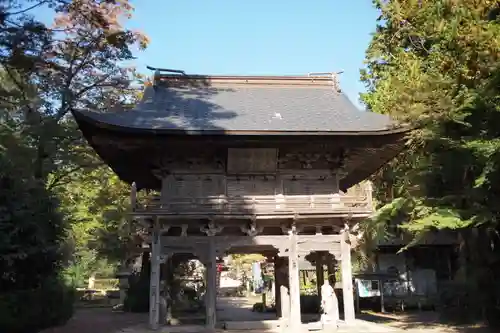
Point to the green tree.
(32, 234)
(435, 65)
(102, 235)
(45, 72)
(78, 64)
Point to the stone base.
(328, 324)
(252, 325)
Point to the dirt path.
(97, 320)
(424, 322)
(103, 320)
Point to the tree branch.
(98, 83)
(56, 181)
(27, 9)
(65, 106)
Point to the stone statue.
(329, 305)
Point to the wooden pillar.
(281, 279)
(133, 197)
(277, 285)
(330, 264)
(294, 281)
(167, 293)
(356, 290)
(285, 304)
(381, 288)
(320, 272)
(154, 288)
(347, 291)
(211, 289)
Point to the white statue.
(329, 305)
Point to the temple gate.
(255, 164)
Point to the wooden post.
(277, 286)
(381, 288)
(330, 262)
(320, 272)
(211, 290)
(356, 290)
(281, 272)
(154, 288)
(295, 322)
(285, 303)
(169, 277)
(331, 272)
(347, 292)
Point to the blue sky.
(267, 37)
(256, 37)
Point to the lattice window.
(303, 186)
(250, 186)
(192, 186)
(251, 160)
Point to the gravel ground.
(103, 320)
(99, 320)
(424, 322)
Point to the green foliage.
(49, 216)
(426, 69)
(32, 230)
(435, 65)
(32, 310)
(376, 229)
(102, 236)
(32, 296)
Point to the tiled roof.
(276, 104)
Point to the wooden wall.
(250, 172)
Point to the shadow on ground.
(427, 321)
(99, 320)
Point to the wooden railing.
(259, 205)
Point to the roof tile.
(247, 107)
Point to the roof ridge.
(162, 76)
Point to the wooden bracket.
(253, 229)
(211, 229)
(184, 230)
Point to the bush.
(29, 311)
(32, 295)
(137, 299)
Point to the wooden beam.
(223, 243)
(326, 243)
(164, 215)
